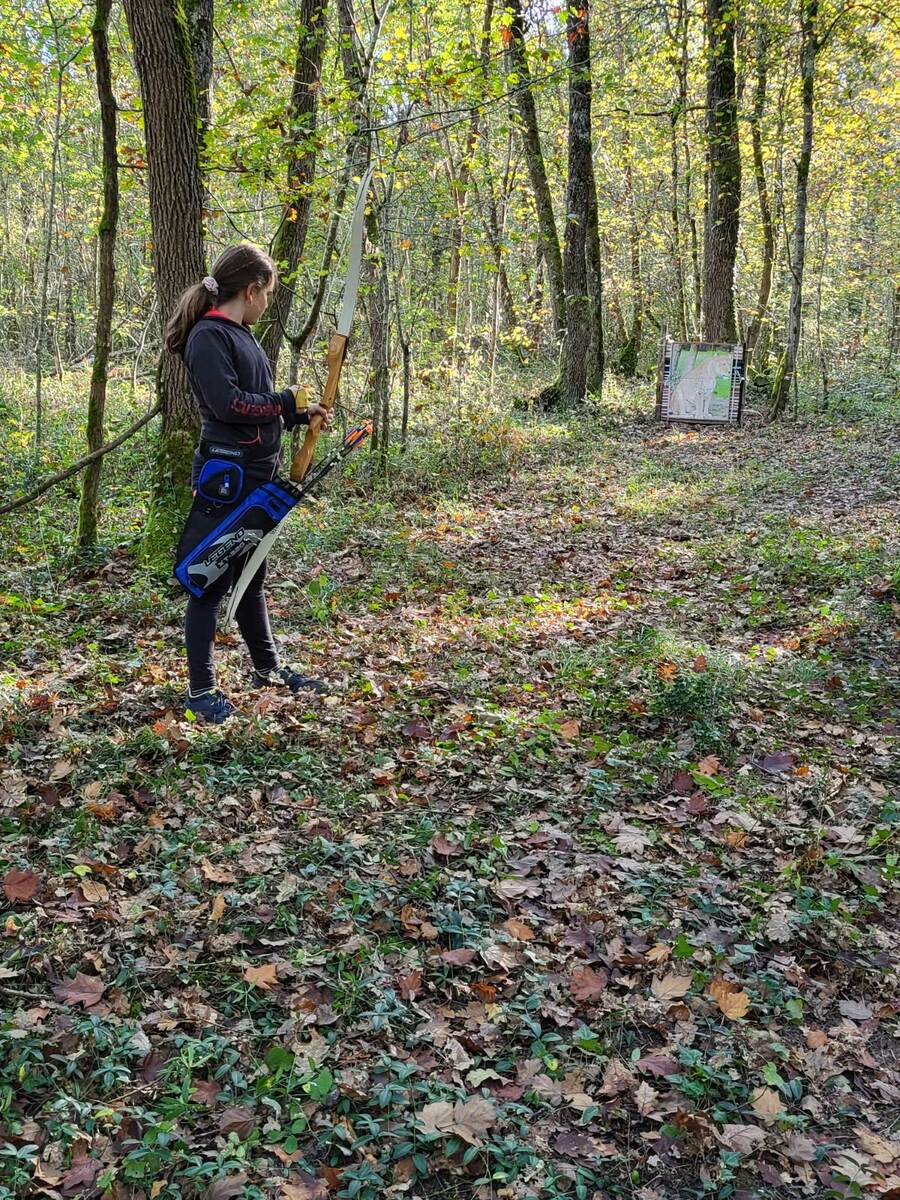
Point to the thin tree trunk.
(597, 351)
(494, 227)
(379, 334)
(631, 351)
(460, 184)
(537, 171)
(724, 162)
(404, 416)
(507, 310)
(762, 189)
(577, 343)
(680, 295)
(48, 245)
(356, 77)
(894, 338)
(162, 52)
(809, 10)
(613, 300)
(89, 511)
(684, 22)
(290, 237)
(820, 344)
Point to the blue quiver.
(214, 537)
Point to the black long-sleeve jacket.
(232, 384)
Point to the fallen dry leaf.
(518, 929)
(458, 958)
(409, 985)
(307, 1188)
(799, 1148)
(709, 765)
(217, 874)
(731, 999)
(93, 892)
(743, 1139)
(263, 977)
(226, 1187)
(767, 1104)
(646, 1098)
(880, 1148)
(20, 886)
(468, 1119)
(671, 986)
(83, 989)
(80, 1176)
(854, 1010)
(237, 1119)
(442, 845)
(587, 984)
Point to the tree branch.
(81, 464)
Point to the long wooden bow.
(337, 352)
(337, 346)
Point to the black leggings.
(253, 622)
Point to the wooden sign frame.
(719, 398)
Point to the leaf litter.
(587, 875)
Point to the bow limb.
(337, 347)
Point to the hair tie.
(211, 286)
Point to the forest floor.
(582, 884)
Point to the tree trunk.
(680, 295)
(48, 248)
(200, 25)
(460, 184)
(379, 360)
(577, 343)
(494, 228)
(724, 162)
(88, 515)
(597, 350)
(894, 337)
(631, 351)
(356, 77)
(162, 52)
(809, 10)
(537, 172)
(765, 207)
(290, 237)
(492, 223)
(684, 22)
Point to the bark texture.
(724, 162)
(89, 510)
(161, 38)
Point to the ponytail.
(235, 269)
(191, 306)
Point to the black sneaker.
(285, 677)
(212, 707)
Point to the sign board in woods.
(700, 381)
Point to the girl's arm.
(208, 359)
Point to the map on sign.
(700, 383)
